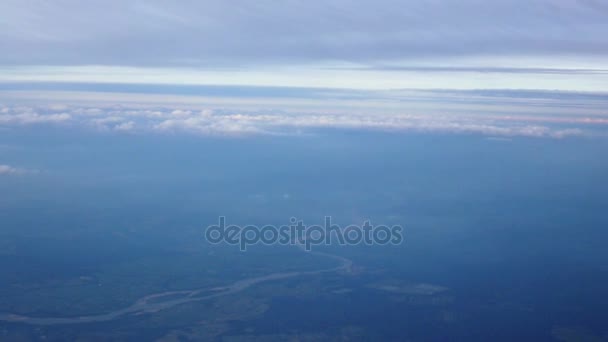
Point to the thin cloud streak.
(7, 170)
(313, 77)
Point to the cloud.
(26, 115)
(496, 114)
(7, 170)
(181, 113)
(226, 124)
(563, 77)
(233, 33)
(295, 123)
(125, 126)
(366, 44)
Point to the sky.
(384, 44)
(499, 68)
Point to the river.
(165, 300)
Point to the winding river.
(165, 300)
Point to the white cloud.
(107, 120)
(25, 116)
(194, 119)
(181, 113)
(281, 124)
(125, 126)
(317, 76)
(12, 171)
(206, 112)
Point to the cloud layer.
(234, 33)
(380, 44)
(306, 118)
